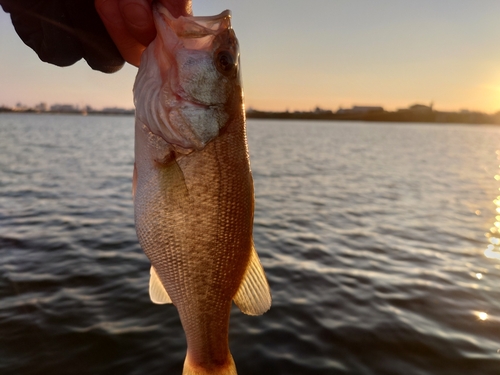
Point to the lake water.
(379, 240)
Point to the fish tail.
(229, 368)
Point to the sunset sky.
(300, 54)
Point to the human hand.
(62, 32)
(130, 23)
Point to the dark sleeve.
(61, 32)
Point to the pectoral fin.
(157, 291)
(253, 297)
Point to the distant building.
(420, 108)
(41, 107)
(357, 109)
(117, 111)
(64, 108)
(319, 111)
(20, 107)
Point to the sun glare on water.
(493, 249)
(482, 315)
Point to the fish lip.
(204, 25)
(203, 106)
(195, 103)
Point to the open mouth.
(196, 27)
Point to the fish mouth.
(191, 106)
(195, 27)
(188, 33)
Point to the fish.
(192, 183)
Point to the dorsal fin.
(253, 297)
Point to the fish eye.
(225, 62)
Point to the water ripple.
(372, 236)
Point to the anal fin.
(254, 296)
(157, 291)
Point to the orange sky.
(297, 55)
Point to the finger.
(138, 16)
(127, 44)
(138, 19)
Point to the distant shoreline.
(431, 116)
(79, 113)
(416, 113)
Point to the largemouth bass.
(192, 185)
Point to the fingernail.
(137, 15)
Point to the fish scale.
(193, 188)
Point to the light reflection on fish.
(193, 188)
